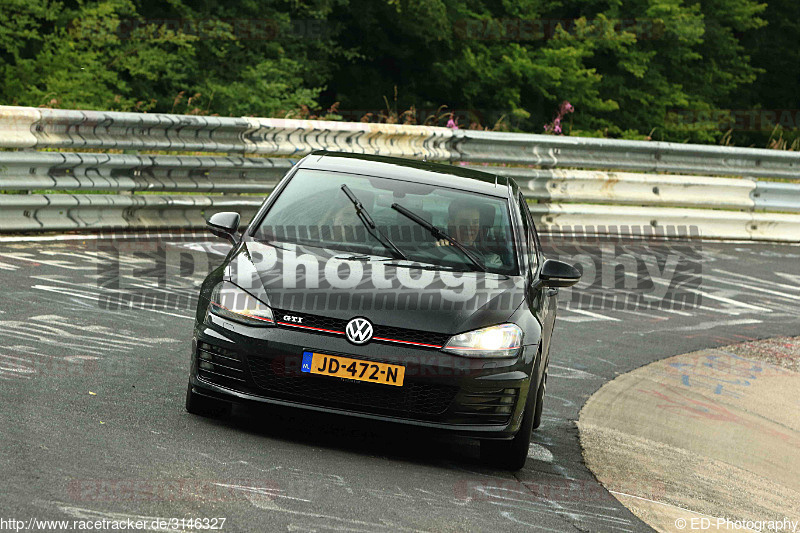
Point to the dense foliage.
(659, 69)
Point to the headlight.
(231, 302)
(504, 340)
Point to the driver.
(465, 226)
(340, 219)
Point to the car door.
(542, 301)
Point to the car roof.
(455, 177)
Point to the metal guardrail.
(708, 223)
(63, 212)
(721, 207)
(33, 128)
(772, 196)
(123, 172)
(726, 208)
(119, 174)
(553, 186)
(644, 156)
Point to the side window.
(537, 245)
(532, 242)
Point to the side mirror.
(558, 274)
(224, 225)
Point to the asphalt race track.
(93, 423)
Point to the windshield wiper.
(363, 216)
(427, 267)
(363, 258)
(438, 234)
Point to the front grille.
(336, 326)
(412, 399)
(411, 336)
(490, 406)
(220, 365)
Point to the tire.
(537, 414)
(511, 454)
(204, 406)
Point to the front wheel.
(511, 454)
(204, 406)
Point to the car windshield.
(313, 210)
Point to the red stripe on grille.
(406, 342)
(373, 338)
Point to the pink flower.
(557, 130)
(567, 107)
(557, 121)
(452, 124)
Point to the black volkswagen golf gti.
(387, 289)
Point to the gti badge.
(359, 331)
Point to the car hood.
(323, 282)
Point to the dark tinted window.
(531, 242)
(313, 210)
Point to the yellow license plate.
(344, 367)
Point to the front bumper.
(472, 397)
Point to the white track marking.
(577, 319)
(570, 373)
(719, 298)
(754, 288)
(94, 297)
(668, 505)
(58, 264)
(711, 325)
(730, 301)
(264, 491)
(595, 315)
(794, 288)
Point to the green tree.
(623, 64)
(230, 60)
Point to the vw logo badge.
(359, 331)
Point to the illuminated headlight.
(504, 340)
(233, 303)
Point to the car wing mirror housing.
(224, 225)
(558, 274)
